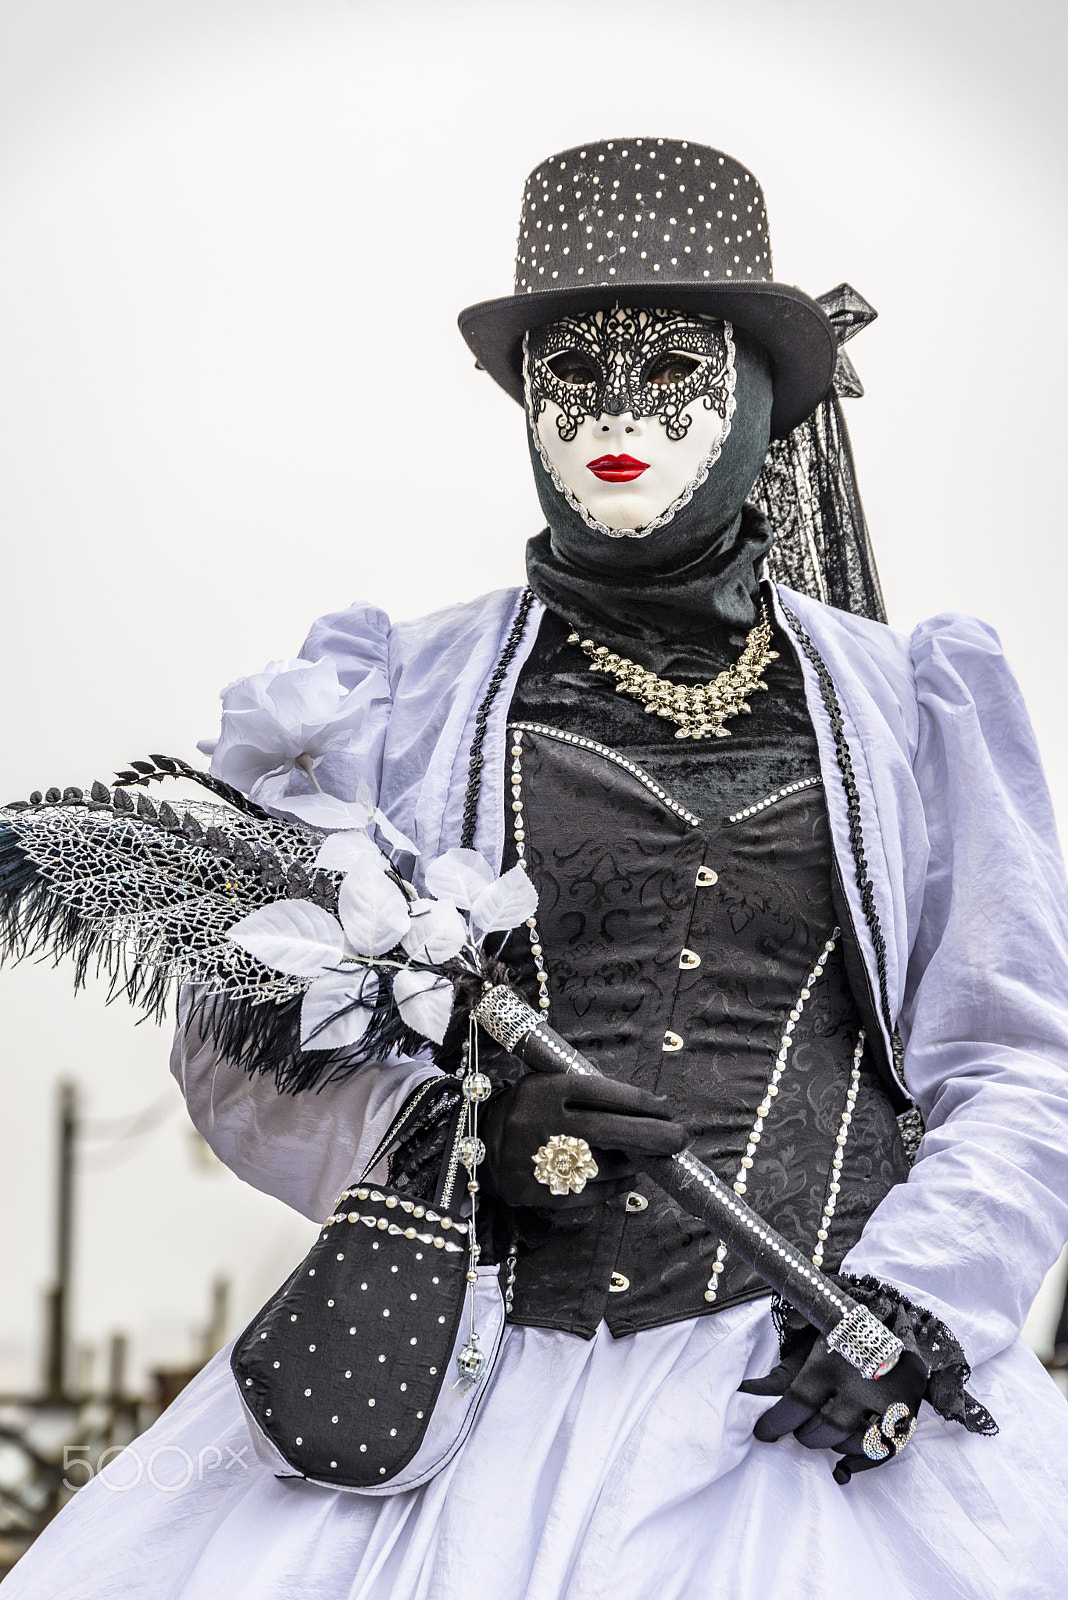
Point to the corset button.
(689, 958)
(636, 1201)
(706, 877)
(618, 1283)
(673, 1041)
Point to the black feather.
(264, 1040)
(469, 988)
(17, 879)
(35, 922)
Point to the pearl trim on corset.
(519, 834)
(609, 755)
(770, 799)
(786, 1044)
(840, 1138)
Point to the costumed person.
(798, 899)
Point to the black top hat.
(654, 222)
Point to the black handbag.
(349, 1373)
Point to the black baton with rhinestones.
(851, 1329)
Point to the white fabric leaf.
(458, 876)
(341, 851)
(437, 930)
(292, 936)
(424, 1001)
(329, 1019)
(393, 835)
(505, 903)
(373, 911)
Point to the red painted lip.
(617, 469)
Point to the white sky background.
(234, 238)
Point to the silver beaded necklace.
(700, 710)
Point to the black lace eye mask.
(608, 363)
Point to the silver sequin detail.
(865, 1342)
(505, 1017)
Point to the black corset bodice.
(686, 941)
(766, 750)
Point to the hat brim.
(789, 325)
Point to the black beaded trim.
(856, 832)
(474, 767)
(911, 1128)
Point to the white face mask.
(629, 410)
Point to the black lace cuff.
(920, 1332)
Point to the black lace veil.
(807, 489)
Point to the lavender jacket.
(935, 787)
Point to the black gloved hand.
(827, 1405)
(612, 1117)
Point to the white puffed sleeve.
(985, 1019)
(304, 1148)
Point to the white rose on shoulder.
(289, 715)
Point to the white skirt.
(602, 1468)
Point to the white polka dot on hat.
(701, 191)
